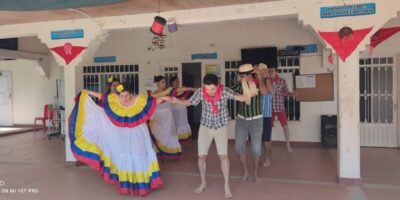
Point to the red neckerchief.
(256, 81)
(276, 79)
(213, 101)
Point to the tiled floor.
(4, 131)
(381, 166)
(36, 169)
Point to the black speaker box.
(328, 131)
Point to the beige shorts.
(207, 135)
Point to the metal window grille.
(170, 72)
(290, 64)
(95, 77)
(376, 90)
(231, 77)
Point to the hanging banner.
(383, 34)
(344, 47)
(68, 52)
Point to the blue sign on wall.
(67, 34)
(105, 59)
(205, 56)
(308, 48)
(348, 10)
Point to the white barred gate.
(378, 102)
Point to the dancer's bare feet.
(257, 179)
(246, 177)
(289, 148)
(267, 163)
(201, 188)
(228, 193)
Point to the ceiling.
(31, 5)
(127, 7)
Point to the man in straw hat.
(213, 125)
(249, 120)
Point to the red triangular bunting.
(345, 47)
(68, 52)
(383, 34)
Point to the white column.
(349, 119)
(71, 88)
(397, 104)
(69, 80)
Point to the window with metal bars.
(169, 73)
(231, 77)
(285, 65)
(95, 77)
(376, 90)
(290, 65)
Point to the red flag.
(383, 34)
(68, 52)
(345, 47)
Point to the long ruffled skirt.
(163, 129)
(123, 156)
(182, 125)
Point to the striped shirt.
(248, 112)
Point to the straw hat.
(246, 69)
(262, 66)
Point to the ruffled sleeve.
(168, 92)
(132, 116)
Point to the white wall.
(226, 38)
(398, 100)
(130, 47)
(32, 44)
(309, 126)
(30, 91)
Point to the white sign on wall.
(305, 81)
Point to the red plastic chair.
(48, 114)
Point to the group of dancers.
(169, 124)
(124, 135)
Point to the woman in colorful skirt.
(114, 139)
(162, 124)
(184, 131)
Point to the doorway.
(378, 97)
(191, 77)
(6, 115)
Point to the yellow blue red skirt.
(164, 132)
(115, 141)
